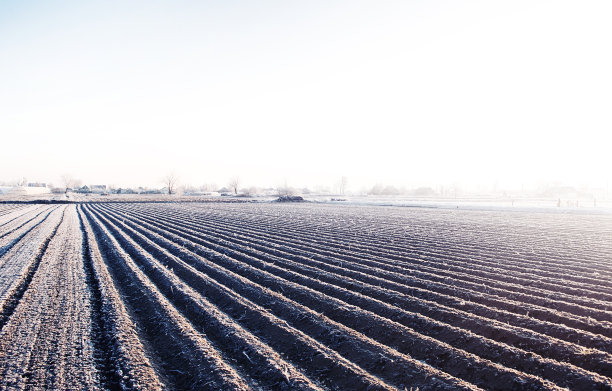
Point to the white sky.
(401, 92)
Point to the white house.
(29, 190)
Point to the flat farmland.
(305, 296)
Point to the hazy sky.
(402, 92)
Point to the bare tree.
(69, 182)
(170, 181)
(234, 183)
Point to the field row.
(273, 296)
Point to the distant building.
(126, 190)
(98, 189)
(154, 191)
(29, 190)
(37, 184)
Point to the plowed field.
(266, 296)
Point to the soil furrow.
(484, 348)
(427, 262)
(121, 344)
(237, 296)
(303, 352)
(441, 356)
(448, 316)
(7, 307)
(186, 358)
(110, 377)
(262, 362)
(430, 281)
(7, 247)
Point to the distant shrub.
(290, 198)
